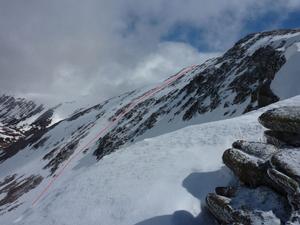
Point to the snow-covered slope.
(157, 181)
(221, 88)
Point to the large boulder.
(248, 161)
(249, 169)
(284, 119)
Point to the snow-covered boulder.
(248, 168)
(284, 125)
(284, 119)
(249, 207)
(258, 149)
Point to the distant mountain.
(252, 74)
(15, 115)
(24, 121)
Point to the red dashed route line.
(111, 124)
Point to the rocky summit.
(269, 175)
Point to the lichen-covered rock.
(249, 169)
(281, 139)
(284, 119)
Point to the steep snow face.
(160, 181)
(224, 87)
(287, 80)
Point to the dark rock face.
(62, 155)
(14, 187)
(261, 166)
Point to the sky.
(58, 50)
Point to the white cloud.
(163, 61)
(168, 59)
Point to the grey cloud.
(64, 48)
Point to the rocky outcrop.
(13, 187)
(268, 172)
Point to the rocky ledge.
(268, 173)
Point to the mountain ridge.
(221, 88)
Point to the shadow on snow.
(199, 185)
